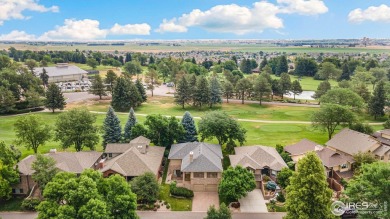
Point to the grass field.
(308, 83)
(196, 47)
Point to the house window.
(110, 155)
(343, 166)
(13, 191)
(212, 175)
(20, 179)
(199, 175)
(21, 191)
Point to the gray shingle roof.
(381, 150)
(140, 140)
(257, 157)
(331, 158)
(134, 163)
(74, 162)
(302, 147)
(123, 147)
(59, 71)
(206, 157)
(351, 142)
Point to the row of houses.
(198, 165)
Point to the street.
(160, 215)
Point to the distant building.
(62, 72)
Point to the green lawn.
(177, 204)
(308, 83)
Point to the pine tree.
(284, 83)
(263, 63)
(296, 88)
(345, 75)
(190, 129)
(215, 92)
(128, 57)
(98, 87)
(202, 92)
(228, 90)
(125, 95)
(112, 131)
(54, 98)
(44, 77)
(131, 121)
(192, 86)
(377, 103)
(141, 90)
(183, 92)
(308, 195)
(281, 66)
(262, 88)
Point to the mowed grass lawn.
(177, 204)
(308, 83)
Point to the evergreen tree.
(262, 88)
(141, 90)
(308, 195)
(128, 57)
(296, 88)
(202, 92)
(131, 121)
(263, 63)
(192, 86)
(243, 88)
(183, 92)
(345, 74)
(151, 60)
(322, 88)
(246, 66)
(54, 98)
(44, 77)
(215, 92)
(190, 129)
(125, 95)
(285, 83)
(98, 87)
(377, 103)
(193, 60)
(110, 79)
(112, 131)
(228, 90)
(281, 66)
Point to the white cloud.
(303, 7)
(13, 9)
(130, 29)
(17, 35)
(241, 19)
(373, 13)
(170, 26)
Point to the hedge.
(180, 191)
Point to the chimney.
(191, 156)
(101, 164)
(142, 149)
(53, 151)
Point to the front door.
(187, 177)
(177, 173)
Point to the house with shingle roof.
(73, 162)
(299, 150)
(261, 160)
(132, 159)
(383, 152)
(195, 165)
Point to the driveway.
(203, 200)
(253, 203)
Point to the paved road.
(159, 215)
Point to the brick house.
(196, 166)
(299, 150)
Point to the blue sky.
(193, 19)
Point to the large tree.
(91, 62)
(54, 98)
(262, 88)
(98, 88)
(328, 71)
(76, 127)
(88, 196)
(284, 177)
(284, 83)
(8, 174)
(31, 132)
(235, 183)
(31, 64)
(281, 65)
(228, 90)
(215, 92)
(243, 88)
(162, 130)
(110, 79)
(322, 88)
(331, 116)
(296, 88)
(308, 195)
(151, 78)
(221, 126)
(344, 97)
(7, 100)
(372, 185)
(125, 95)
(188, 124)
(362, 158)
(183, 92)
(376, 105)
(305, 67)
(112, 130)
(44, 170)
(146, 188)
(141, 90)
(131, 121)
(44, 77)
(202, 92)
(133, 68)
(222, 213)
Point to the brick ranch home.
(196, 166)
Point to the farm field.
(197, 47)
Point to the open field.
(196, 47)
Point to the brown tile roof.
(351, 142)
(302, 147)
(120, 148)
(331, 158)
(74, 162)
(140, 140)
(257, 157)
(134, 163)
(382, 150)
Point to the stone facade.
(24, 186)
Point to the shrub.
(280, 198)
(266, 178)
(271, 185)
(180, 191)
(30, 204)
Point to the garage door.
(198, 188)
(211, 188)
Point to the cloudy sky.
(193, 19)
